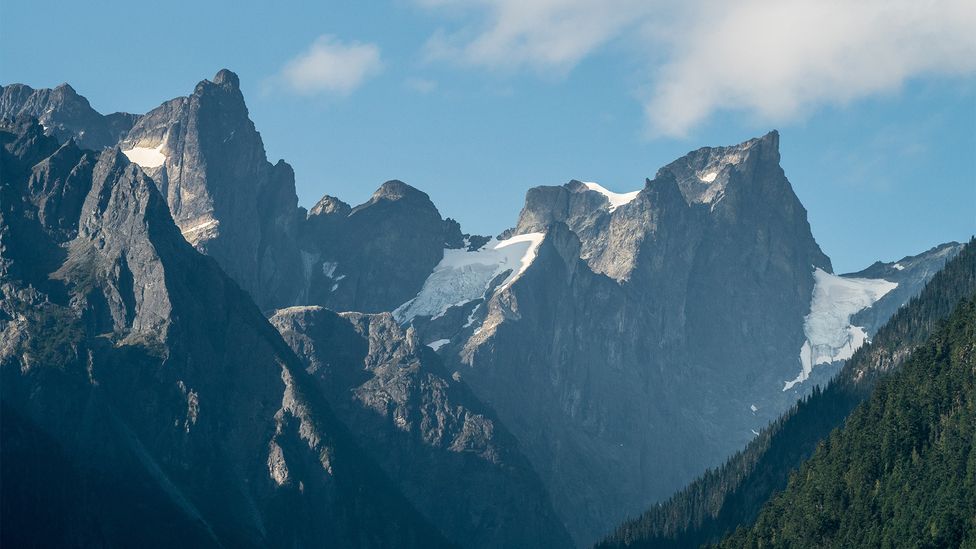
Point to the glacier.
(463, 275)
(830, 336)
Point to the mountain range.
(194, 353)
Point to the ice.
(830, 336)
(462, 275)
(146, 157)
(616, 199)
(438, 344)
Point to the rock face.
(146, 400)
(228, 200)
(447, 452)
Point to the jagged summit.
(329, 205)
(64, 114)
(227, 77)
(704, 174)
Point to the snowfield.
(616, 199)
(463, 276)
(830, 335)
(146, 157)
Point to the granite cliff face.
(444, 448)
(146, 400)
(228, 200)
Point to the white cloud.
(773, 59)
(331, 66)
(538, 34)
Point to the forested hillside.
(732, 495)
(902, 471)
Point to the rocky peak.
(703, 175)
(64, 114)
(330, 205)
(225, 77)
(395, 189)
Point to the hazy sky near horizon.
(476, 101)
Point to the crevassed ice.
(828, 329)
(616, 199)
(462, 276)
(146, 157)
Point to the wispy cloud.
(331, 66)
(535, 34)
(775, 60)
(421, 85)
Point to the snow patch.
(200, 226)
(709, 177)
(899, 267)
(462, 275)
(146, 157)
(754, 408)
(755, 432)
(328, 268)
(830, 335)
(616, 199)
(438, 344)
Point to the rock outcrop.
(447, 452)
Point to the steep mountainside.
(146, 401)
(732, 495)
(446, 451)
(901, 472)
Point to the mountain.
(902, 469)
(208, 161)
(730, 496)
(627, 340)
(618, 343)
(444, 449)
(65, 114)
(146, 401)
(375, 256)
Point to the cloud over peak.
(774, 60)
(331, 66)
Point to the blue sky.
(474, 102)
